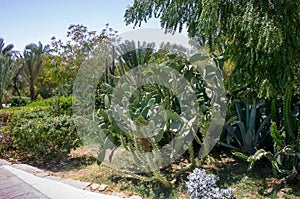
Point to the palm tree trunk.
(32, 91)
(1, 97)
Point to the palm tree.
(7, 49)
(33, 64)
(132, 56)
(8, 67)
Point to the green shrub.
(42, 136)
(20, 101)
(44, 129)
(62, 105)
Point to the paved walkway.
(20, 181)
(13, 187)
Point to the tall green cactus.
(274, 111)
(287, 114)
(276, 135)
(298, 138)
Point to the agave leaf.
(242, 134)
(260, 103)
(251, 122)
(230, 131)
(229, 146)
(249, 147)
(258, 155)
(151, 102)
(238, 112)
(261, 127)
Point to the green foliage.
(143, 116)
(259, 37)
(277, 137)
(8, 67)
(42, 130)
(7, 50)
(43, 137)
(61, 68)
(132, 56)
(32, 61)
(20, 101)
(285, 157)
(287, 114)
(62, 105)
(250, 130)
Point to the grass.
(118, 183)
(258, 183)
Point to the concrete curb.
(52, 186)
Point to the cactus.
(276, 135)
(274, 112)
(287, 114)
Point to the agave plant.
(250, 128)
(285, 157)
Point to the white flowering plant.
(201, 185)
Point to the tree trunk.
(32, 92)
(1, 98)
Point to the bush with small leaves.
(40, 130)
(44, 138)
(203, 185)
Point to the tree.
(69, 56)
(132, 55)
(7, 67)
(33, 64)
(7, 49)
(261, 38)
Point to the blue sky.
(29, 21)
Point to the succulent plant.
(203, 185)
